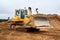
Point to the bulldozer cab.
(21, 13)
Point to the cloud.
(45, 6)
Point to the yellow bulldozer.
(24, 18)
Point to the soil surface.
(52, 34)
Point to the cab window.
(17, 13)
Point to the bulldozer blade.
(41, 22)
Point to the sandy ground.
(52, 34)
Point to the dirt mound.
(58, 17)
(53, 34)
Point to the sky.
(7, 7)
